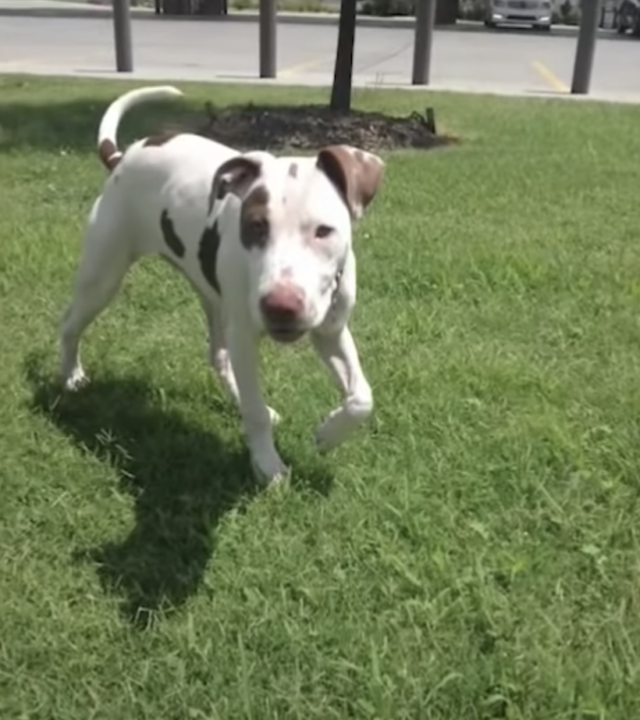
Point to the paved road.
(502, 61)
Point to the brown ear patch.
(174, 243)
(235, 176)
(356, 175)
(254, 219)
(208, 255)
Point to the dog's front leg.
(256, 418)
(338, 351)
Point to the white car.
(536, 13)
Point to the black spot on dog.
(208, 255)
(170, 236)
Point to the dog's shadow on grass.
(182, 478)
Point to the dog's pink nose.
(283, 306)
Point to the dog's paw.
(274, 416)
(334, 430)
(76, 380)
(326, 435)
(341, 423)
(270, 474)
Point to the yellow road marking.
(550, 77)
(304, 66)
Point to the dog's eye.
(322, 231)
(260, 227)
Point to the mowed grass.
(472, 553)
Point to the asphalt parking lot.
(509, 61)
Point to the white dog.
(265, 242)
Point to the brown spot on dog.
(160, 139)
(359, 156)
(355, 174)
(109, 154)
(208, 255)
(170, 236)
(254, 219)
(293, 170)
(235, 176)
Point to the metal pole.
(343, 69)
(267, 38)
(586, 47)
(122, 32)
(425, 19)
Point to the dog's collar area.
(336, 280)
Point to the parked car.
(628, 17)
(536, 13)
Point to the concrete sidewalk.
(62, 9)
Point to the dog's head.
(295, 226)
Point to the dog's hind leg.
(106, 257)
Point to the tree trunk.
(212, 7)
(446, 12)
(343, 71)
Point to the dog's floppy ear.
(356, 174)
(234, 176)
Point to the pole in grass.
(122, 33)
(268, 23)
(425, 19)
(586, 46)
(343, 68)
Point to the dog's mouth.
(286, 335)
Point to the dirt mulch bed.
(309, 127)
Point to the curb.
(285, 18)
(250, 81)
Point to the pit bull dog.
(265, 241)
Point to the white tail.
(108, 131)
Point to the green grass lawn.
(473, 553)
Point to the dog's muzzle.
(282, 310)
